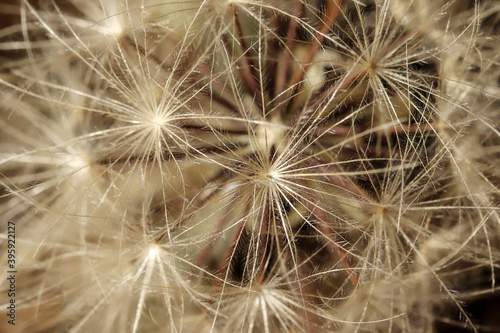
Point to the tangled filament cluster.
(251, 166)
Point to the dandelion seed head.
(157, 124)
(154, 250)
(250, 166)
(274, 174)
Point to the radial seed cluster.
(251, 166)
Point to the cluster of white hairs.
(251, 165)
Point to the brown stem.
(263, 242)
(283, 63)
(246, 70)
(225, 263)
(331, 13)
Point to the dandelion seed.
(251, 166)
